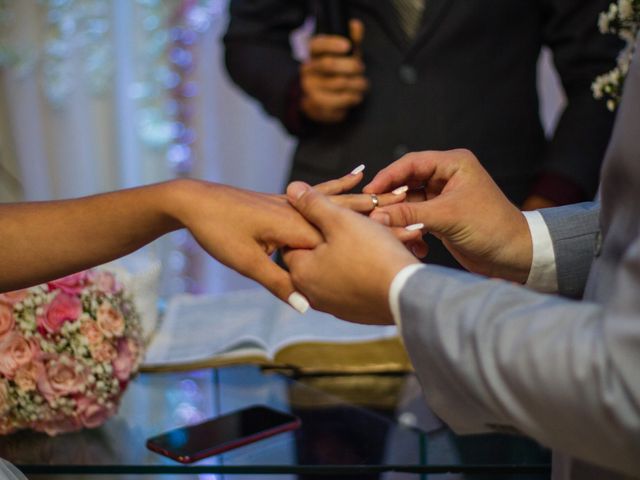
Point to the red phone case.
(215, 450)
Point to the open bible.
(254, 327)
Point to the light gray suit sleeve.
(493, 356)
(575, 233)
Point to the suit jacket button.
(597, 247)
(408, 74)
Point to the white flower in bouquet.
(623, 19)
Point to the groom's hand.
(349, 274)
(459, 203)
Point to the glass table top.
(357, 425)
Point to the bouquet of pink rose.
(67, 351)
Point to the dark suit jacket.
(468, 80)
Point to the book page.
(291, 327)
(197, 328)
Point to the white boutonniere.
(622, 19)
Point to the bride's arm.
(44, 240)
(41, 241)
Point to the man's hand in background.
(332, 80)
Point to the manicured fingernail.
(297, 301)
(400, 190)
(357, 170)
(414, 227)
(380, 217)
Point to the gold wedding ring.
(374, 200)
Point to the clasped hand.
(342, 261)
(350, 271)
(241, 229)
(332, 81)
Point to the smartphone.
(217, 435)
(332, 18)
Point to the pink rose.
(15, 351)
(90, 331)
(6, 320)
(109, 320)
(4, 397)
(71, 284)
(63, 308)
(124, 364)
(11, 298)
(91, 413)
(62, 376)
(26, 376)
(105, 281)
(103, 352)
(44, 384)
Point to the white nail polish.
(357, 170)
(400, 190)
(297, 301)
(414, 227)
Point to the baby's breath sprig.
(622, 19)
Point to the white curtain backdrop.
(90, 143)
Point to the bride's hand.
(358, 202)
(241, 229)
(366, 203)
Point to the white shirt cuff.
(396, 287)
(543, 276)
